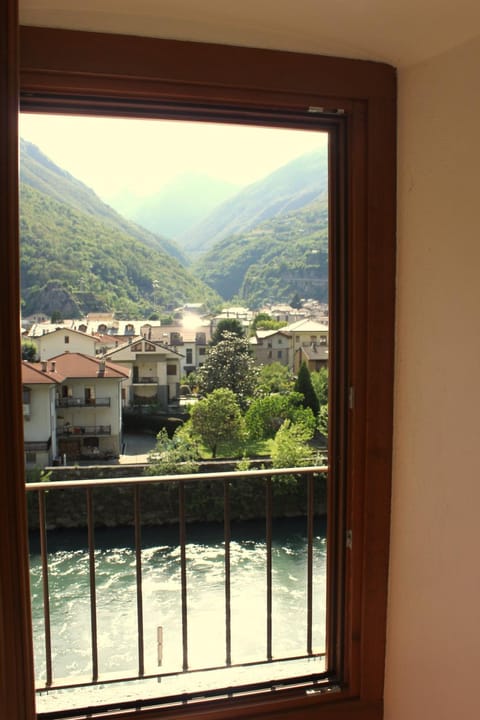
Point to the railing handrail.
(155, 479)
(85, 430)
(82, 402)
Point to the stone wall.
(113, 506)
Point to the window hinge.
(317, 110)
(351, 397)
(349, 539)
(324, 690)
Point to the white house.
(154, 372)
(39, 424)
(190, 342)
(88, 403)
(63, 340)
(305, 333)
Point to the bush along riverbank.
(204, 499)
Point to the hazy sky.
(111, 155)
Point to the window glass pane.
(201, 251)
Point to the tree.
(216, 419)
(266, 414)
(323, 420)
(296, 301)
(56, 316)
(29, 350)
(303, 384)
(319, 380)
(290, 447)
(229, 364)
(178, 454)
(274, 378)
(227, 325)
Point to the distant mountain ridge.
(78, 255)
(291, 187)
(267, 243)
(178, 206)
(38, 171)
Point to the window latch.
(349, 539)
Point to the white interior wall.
(433, 646)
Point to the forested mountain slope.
(38, 171)
(290, 188)
(280, 258)
(73, 263)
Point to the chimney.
(53, 367)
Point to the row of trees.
(241, 405)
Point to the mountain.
(181, 204)
(77, 257)
(289, 188)
(281, 257)
(39, 172)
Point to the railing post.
(183, 572)
(227, 538)
(93, 596)
(45, 586)
(268, 534)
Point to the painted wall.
(433, 646)
(53, 344)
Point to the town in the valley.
(81, 376)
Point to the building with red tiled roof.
(39, 422)
(87, 404)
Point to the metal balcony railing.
(145, 380)
(268, 481)
(82, 402)
(38, 446)
(92, 430)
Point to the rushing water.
(115, 569)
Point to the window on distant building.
(66, 339)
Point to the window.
(189, 356)
(126, 75)
(27, 393)
(171, 369)
(66, 339)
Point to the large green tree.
(291, 446)
(303, 384)
(225, 326)
(217, 419)
(229, 364)
(266, 414)
(319, 380)
(275, 378)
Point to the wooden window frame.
(59, 70)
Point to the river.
(116, 597)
